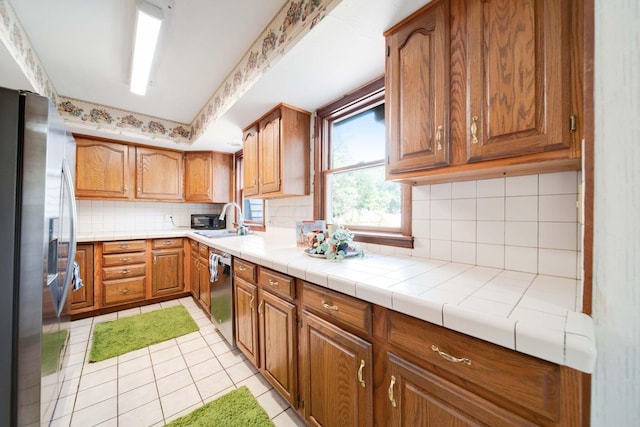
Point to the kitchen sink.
(215, 234)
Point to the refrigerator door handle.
(73, 238)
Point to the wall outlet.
(167, 218)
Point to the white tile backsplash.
(103, 216)
(524, 223)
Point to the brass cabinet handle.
(360, 379)
(449, 357)
(241, 268)
(125, 271)
(272, 283)
(125, 259)
(439, 131)
(329, 306)
(251, 302)
(126, 188)
(123, 245)
(260, 306)
(167, 242)
(474, 129)
(124, 291)
(390, 392)
(155, 259)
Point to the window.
(350, 187)
(252, 209)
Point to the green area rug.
(235, 409)
(132, 333)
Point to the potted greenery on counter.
(336, 246)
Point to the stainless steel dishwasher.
(220, 264)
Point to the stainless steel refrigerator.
(37, 251)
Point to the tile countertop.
(528, 313)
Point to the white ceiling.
(85, 47)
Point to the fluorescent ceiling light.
(148, 22)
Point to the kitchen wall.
(525, 223)
(616, 252)
(98, 216)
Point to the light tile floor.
(155, 385)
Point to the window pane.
(362, 197)
(253, 210)
(359, 138)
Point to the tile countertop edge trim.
(577, 351)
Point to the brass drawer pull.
(167, 242)
(474, 129)
(390, 392)
(241, 268)
(439, 131)
(360, 379)
(125, 271)
(125, 259)
(449, 357)
(272, 283)
(123, 246)
(329, 306)
(124, 291)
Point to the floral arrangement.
(335, 246)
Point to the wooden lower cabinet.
(336, 373)
(279, 345)
(194, 275)
(245, 300)
(167, 271)
(83, 297)
(419, 397)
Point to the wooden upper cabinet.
(269, 154)
(276, 150)
(198, 171)
(417, 91)
(250, 162)
(159, 174)
(102, 170)
(518, 77)
(207, 176)
(480, 89)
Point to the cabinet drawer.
(204, 250)
(123, 259)
(123, 246)
(245, 270)
(124, 290)
(123, 271)
(166, 243)
(529, 382)
(277, 283)
(338, 307)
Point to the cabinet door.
(222, 177)
(102, 169)
(417, 397)
(198, 172)
(518, 73)
(205, 295)
(417, 85)
(278, 345)
(269, 154)
(245, 301)
(167, 272)
(83, 297)
(159, 174)
(338, 387)
(194, 276)
(250, 163)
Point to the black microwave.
(207, 222)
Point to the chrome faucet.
(241, 227)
